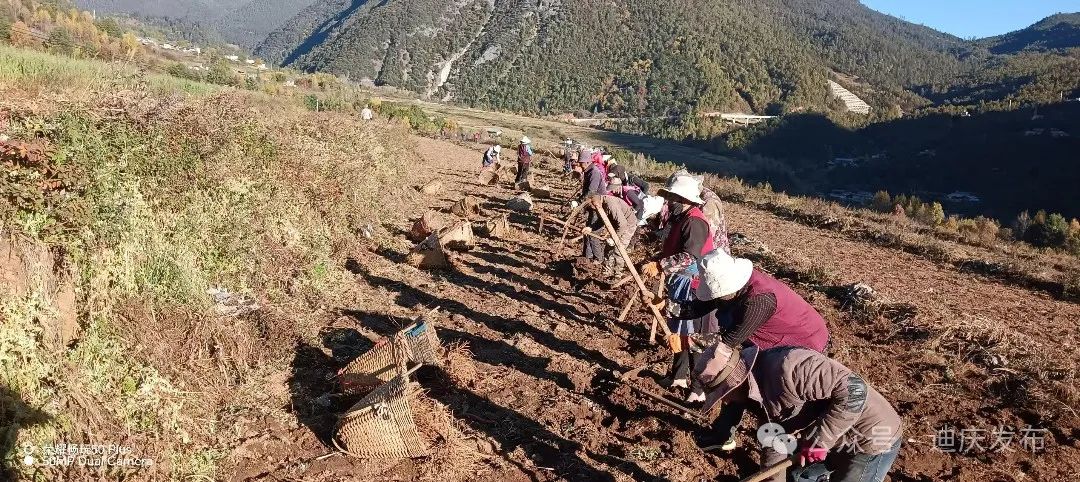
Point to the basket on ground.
(416, 344)
(382, 425)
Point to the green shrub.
(936, 214)
(220, 73)
(110, 27)
(180, 70)
(60, 42)
(5, 26)
(882, 202)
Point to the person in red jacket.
(525, 154)
(688, 240)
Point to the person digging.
(838, 418)
(752, 308)
(628, 178)
(623, 219)
(525, 154)
(491, 157)
(712, 208)
(630, 194)
(593, 181)
(688, 240)
(568, 156)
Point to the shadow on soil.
(15, 415)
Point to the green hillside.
(640, 56)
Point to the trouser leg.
(725, 425)
(857, 467)
(594, 249)
(680, 366)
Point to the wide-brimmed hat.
(606, 157)
(682, 189)
(614, 182)
(722, 275)
(526, 140)
(721, 370)
(498, 148)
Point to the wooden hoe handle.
(645, 294)
(771, 470)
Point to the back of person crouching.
(751, 308)
(838, 418)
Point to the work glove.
(675, 343)
(574, 204)
(586, 231)
(650, 269)
(809, 454)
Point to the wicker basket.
(381, 425)
(416, 344)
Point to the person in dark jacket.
(593, 181)
(838, 418)
(568, 156)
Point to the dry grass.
(454, 457)
(1014, 366)
(460, 365)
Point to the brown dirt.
(540, 403)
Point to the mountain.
(202, 11)
(1056, 32)
(630, 56)
(651, 59)
(243, 22)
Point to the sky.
(973, 18)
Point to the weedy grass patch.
(157, 196)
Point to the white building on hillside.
(851, 101)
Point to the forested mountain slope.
(1056, 32)
(634, 56)
(244, 22)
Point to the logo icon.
(28, 454)
(772, 435)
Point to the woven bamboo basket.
(421, 343)
(381, 425)
(417, 344)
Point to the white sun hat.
(683, 189)
(722, 275)
(651, 206)
(526, 140)
(498, 148)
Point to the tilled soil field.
(539, 399)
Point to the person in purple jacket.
(754, 309)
